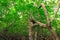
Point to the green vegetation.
(15, 15)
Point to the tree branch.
(35, 24)
(46, 13)
(38, 23)
(41, 24)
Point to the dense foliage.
(14, 15)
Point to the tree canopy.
(15, 14)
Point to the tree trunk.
(23, 37)
(35, 35)
(30, 30)
(55, 37)
(30, 34)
